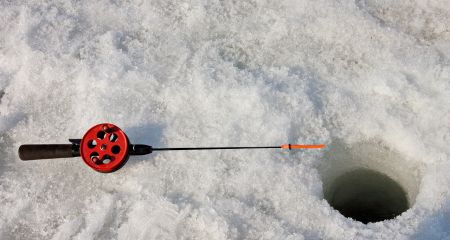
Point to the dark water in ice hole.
(367, 196)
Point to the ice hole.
(368, 182)
(367, 196)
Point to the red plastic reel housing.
(104, 148)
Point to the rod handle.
(46, 151)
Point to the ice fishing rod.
(106, 148)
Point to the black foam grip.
(45, 151)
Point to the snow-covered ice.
(371, 79)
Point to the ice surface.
(210, 73)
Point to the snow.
(368, 78)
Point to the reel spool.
(104, 148)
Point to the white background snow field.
(370, 76)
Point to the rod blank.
(208, 148)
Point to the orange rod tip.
(297, 146)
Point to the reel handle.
(47, 151)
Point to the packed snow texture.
(361, 76)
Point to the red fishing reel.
(104, 147)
